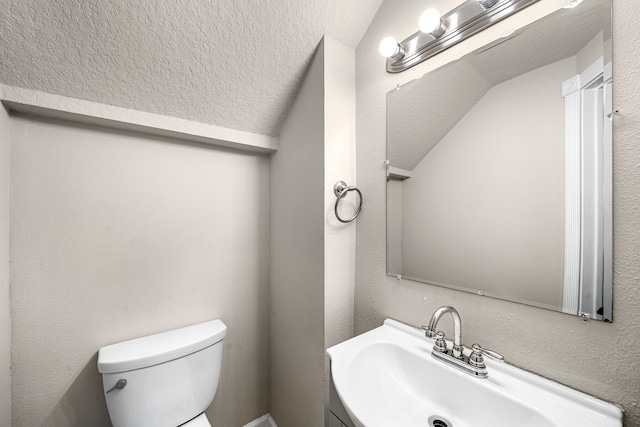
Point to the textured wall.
(312, 253)
(598, 358)
(237, 64)
(297, 259)
(5, 319)
(116, 235)
(339, 165)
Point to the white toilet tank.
(171, 378)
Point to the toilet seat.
(199, 421)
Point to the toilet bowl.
(163, 380)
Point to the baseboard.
(263, 421)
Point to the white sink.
(387, 377)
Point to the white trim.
(592, 208)
(263, 421)
(592, 72)
(398, 173)
(587, 274)
(80, 111)
(607, 74)
(573, 201)
(571, 86)
(607, 198)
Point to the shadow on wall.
(83, 404)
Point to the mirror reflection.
(499, 176)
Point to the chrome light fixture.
(487, 4)
(438, 33)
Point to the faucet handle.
(476, 359)
(492, 354)
(440, 344)
(427, 332)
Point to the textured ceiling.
(231, 63)
(421, 113)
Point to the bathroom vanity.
(389, 376)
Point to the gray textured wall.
(597, 358)
(339, 164)
(117, 235)
(312, 253)
(297, 259)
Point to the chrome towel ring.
(340, 189)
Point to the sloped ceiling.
(231, 63)
(421, 113)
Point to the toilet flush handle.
(119, 386)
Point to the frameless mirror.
(499, 175)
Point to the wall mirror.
(499, 172)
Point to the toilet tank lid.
(159, 348)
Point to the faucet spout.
(457, 328)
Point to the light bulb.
(389, 48)
(430, 22)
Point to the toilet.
(163, 380)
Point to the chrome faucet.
(472, 364)
(457, 329)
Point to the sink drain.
(438, 421)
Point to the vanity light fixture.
(487, 4)
(438, 33)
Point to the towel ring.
(340, 189)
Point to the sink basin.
(388, 377)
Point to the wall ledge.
(42, 104)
